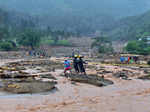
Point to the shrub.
(148, 62)
(7, 46)
(137, 47)
(47, 42)
(63, 43)
(30, 38)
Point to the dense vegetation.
(131, 28)
(79, 16)
(22, 30)
(19, 29)
(29, 38)
(138, 47)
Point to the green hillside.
(78, 16)
(131, 28)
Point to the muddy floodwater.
(128, 93)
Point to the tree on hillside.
(29, 38)
(4, 34)
(103, 44)
(132, 47)
(138, 47)
(7, 46)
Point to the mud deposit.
(28, 76)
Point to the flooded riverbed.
(122, 96)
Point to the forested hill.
(131, 28)
(16, 21)
(78, 16)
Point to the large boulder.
(27, 86)
(90, 79)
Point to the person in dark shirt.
(73, 53)
(75, 63)
(135, 58)
(81, 65)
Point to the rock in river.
(90, 79)
(27, 86)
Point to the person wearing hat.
(81, 65)
(75, 64)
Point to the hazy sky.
(115, 7)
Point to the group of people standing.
(78, 65)
(129, 59)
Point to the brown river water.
(123, 96)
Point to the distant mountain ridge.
(16, 21)
(80, 16)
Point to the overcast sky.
(115, 7)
